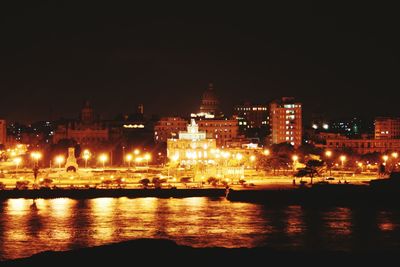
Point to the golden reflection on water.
(338, 221)
(29, 226)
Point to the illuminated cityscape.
(240, 133)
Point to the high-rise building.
(3, 132)
(251, 115)
(286, 121)
(387, 128)
(209, 102)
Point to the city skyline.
(335, 60)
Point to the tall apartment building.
(222, 130)
(387, 128)
(252, 115)
(286, 121)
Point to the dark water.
(62, 224)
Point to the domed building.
(209, 101)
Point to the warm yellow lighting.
(252, 158)
(360, 164)
(328, 153)
(175, 157)
(103, 158)
(147, 156)
(128, 157)
(36, 155)
(295, 158)
(395, 155)
(138, 160)
(60, 159)
(239, 156)
(385, 158)
(136, 152)
(17, 161)
(266, 152)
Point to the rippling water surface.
(28, 227)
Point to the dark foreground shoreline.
(153, 252)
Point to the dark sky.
(340, 60)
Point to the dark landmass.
(323, 195)
(94, 193)
(153, 252)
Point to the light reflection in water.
(62, 224)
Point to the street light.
(17, 161)
(342, 159)
(328, 154)
(86, 156)
(395, 155)
(385, 158)
(128, 158)
(103, 158)
(239, 156)
(136, 152)
(147, 157)
(60, 159)
(295, 158)
(36, 156)
(252, 158)
(266, 152)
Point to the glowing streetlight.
(385, 158)
(17, 161)
(59, 159)
(136, 151)
(86, 156)
(266, 152)
(252, 158)
(128, 158)
(147, 157)
(328, 154)
(103, 158)
(295, 158)
(395, 155)
(342, 159)
(36, 156)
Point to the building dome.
(209, 101)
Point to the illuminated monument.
(71, 164)
(191, 147)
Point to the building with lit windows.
(251, 116)
(168, 127)
(363, 146)
(191, 146)
(387, 128)
(222, 130)
(286, 121)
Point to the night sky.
(340, 60)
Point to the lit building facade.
(222, 130)
(387, 128)
(363, 146)
(191, 146)
(168, 127)
(286, 122)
